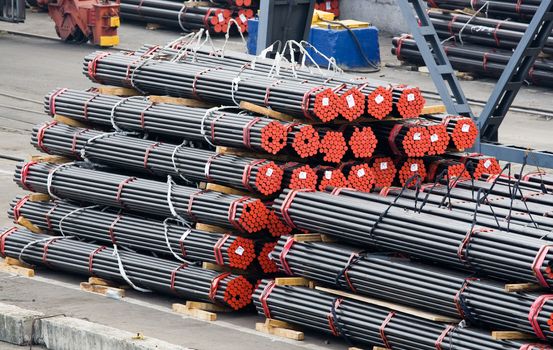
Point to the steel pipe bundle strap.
(424, 286)
(369, 222)
(145, 272)
(148, 197)
(370, 325)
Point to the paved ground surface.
(31, 67)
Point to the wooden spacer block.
(196, 313)
(266, 112)
(378, 348)
(117, 91)
(433, 109)
(522, 287)
(207, 306)
(210, 228)
(102, 290)
(279, 329)
(51, 159)
(39, 197)
(292, 281)
(308, 237)
(28, 225)
(225, 189)
(97, 281)
(68, 121)
(152, 26)
(511, 335)
(16, 267)
(188, 102)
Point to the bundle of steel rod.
(360, 176)
(169, 239)
(263, 251)
(407, 138)
(384, 171)
(382, 98)
(361, 141)
(220, 127)
(241, 16)
(495, 212)
(176, 15)
(275, 226)
(522, 10)
(144, 196)
(299, 176)
(157, 158)
(314, 99)
(423, 286)
(540, 177)
(143, 272)
(480, 59)
(237, 3)
(361, 323)
(333, 145)
(437, 166)
(531, 183)
(330, 177)
(462, 131)
(476, 164)
(439, 137)
(408, 168)
(371, 220)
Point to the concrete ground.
(31, 67)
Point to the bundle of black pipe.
(366, 324)
(122, 151)
(445, 292)
(142, 272)
(148, 197)
(436, 237)
(168, 238)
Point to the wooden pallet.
(16, 267)
(200, 310)
(103, 287)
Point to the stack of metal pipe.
(140, 195)
(420, 285)
(365, 324)
(169, 238)
(145, 273)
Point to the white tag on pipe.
(417, 136)
(350, 100)
(434, 138)
(243, 18)
(221, 17)
(239, 250)
(411, 97)
(329, 5)
(383, 165)
(414, 167)
(487, 164)
(326, 101)
(328, 174)
(361, 172)
(302, 175)
(465, 128)
(379, 99)
(269, 172)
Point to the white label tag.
(269, 172)
(361, 172)
(411, 97)
(414, 167)
(328, 5)
(434, 138)
(326, 101)
(351, 101)
(383, 165)
(379, 99)
(221, 17)
(239, 250)
(303, 175)
(328, 174)
(243, 18)
(417, 136)
(487, 164)
(465, 128)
